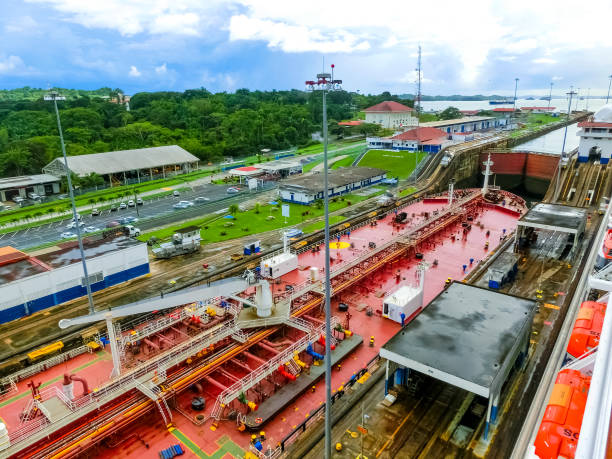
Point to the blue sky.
(144, 45)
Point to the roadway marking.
(2, 235)
(226, 447)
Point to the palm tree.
(233, 209)
(257, 207)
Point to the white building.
(391, 115)
(306, 189)
(596, 136)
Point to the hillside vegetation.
(210, 126)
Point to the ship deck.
(446, 253)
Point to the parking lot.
(155, 212)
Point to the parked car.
(18, 199)
(78, 218)
(176, 193)
(62, 196)
(67, 235)
(233, 189)
(113, 208)
(95, 212)
(201, 199)
(123, 205)
(33, 196)
(112, 224)
(139, 202)
(73, 225)
(131, 203)
(90, 229)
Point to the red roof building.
(350, 123)
(388, 106)
(594, 124)
(421, 134)
(503, 110)
(540, 109)
(391, 115)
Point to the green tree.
(449, 113)
(233, 209)
(15, 161)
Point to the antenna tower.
(417, 104)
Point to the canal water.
(552, 142)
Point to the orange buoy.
(560, 428)
(587, 328)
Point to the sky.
(468, 47)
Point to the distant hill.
(28, 93)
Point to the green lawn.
(345, 162)
(396, 163)
(249, 222)
(316, 226)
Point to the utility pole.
(569, 110)
(587, 99)
(516, 80)
(418, 70)
(418, 110)
(55, 96)
(577, 99)
(550, 94)
(609, 84)
(325, 82)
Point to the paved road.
(155, 209)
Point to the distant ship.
(501, 101)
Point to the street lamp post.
(609, 84)
(325, 82)
(55, 96)
(550, 94)
(571, 94)
(516, 80)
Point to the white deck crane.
(228, 288)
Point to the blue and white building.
(308, 188)
(31, 283)
(466, 124)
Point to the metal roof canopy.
(467, 336)
(114, 162)
(26, 180)
(555, 217)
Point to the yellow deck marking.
(551, 306)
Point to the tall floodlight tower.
(516, 80)
(550, 94)
(55, 96)
(571, 94)
(577, 99)
(417, 104)
(326, 82)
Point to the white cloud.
(506, 58)
(11, 64)
(162, 69)
(134, 72)
(220, 81)
(557, 78)
(544, 60)
(130, 17)
(22, 24)
(294, 38)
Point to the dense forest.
(210, 126)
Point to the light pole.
(325, 82)
(609, 84)
(516, 80)
(550, 94)
(569, 110)
(55, 96)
